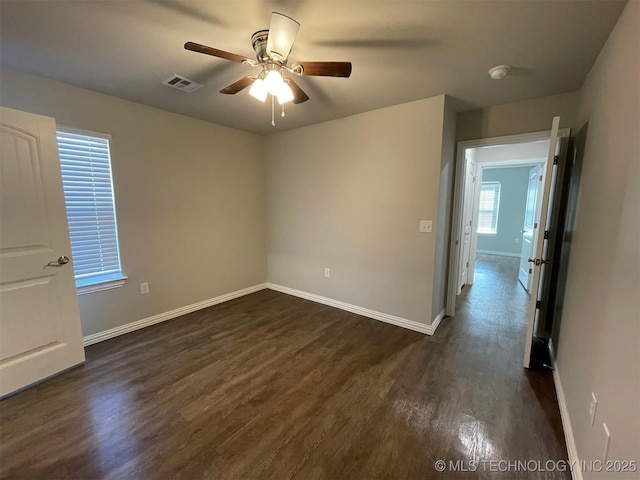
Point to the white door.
(539, 241)
(40, 331)
(526, 271)
(467, 221)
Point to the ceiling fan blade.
(196, 47)
(282, 33)
(238, 86)
(298, 94)
(325, 69)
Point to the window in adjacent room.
(489, 208)
(88, 193)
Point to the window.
(88, 194)
(489, 207)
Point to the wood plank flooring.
(272, 386)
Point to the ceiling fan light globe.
(259, 90)
(273, 82)
(285, 94)
(282, 32)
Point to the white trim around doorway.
(460, 169)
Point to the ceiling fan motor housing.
(259, 43)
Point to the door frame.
(458, 198)
(470, 199)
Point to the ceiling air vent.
(181, 83)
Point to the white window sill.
(487, 234)
(98, 287)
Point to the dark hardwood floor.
(272, 386)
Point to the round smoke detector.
(499, 72)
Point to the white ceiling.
(529, 151)
(400, 50)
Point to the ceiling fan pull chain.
(282, 114)
(273, 108)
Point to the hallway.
(490, 323)
(496, 299)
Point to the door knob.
(537, 261)
(62, 260)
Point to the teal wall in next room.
(513, 199)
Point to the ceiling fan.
(272, 48)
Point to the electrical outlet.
(327, 272)
(426, 226)
(144, 288)
(592, 408)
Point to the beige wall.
(599, 345)
(348, 195)
(189, 199)
(519, 117)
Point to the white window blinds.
(489, 207)
(88, 194)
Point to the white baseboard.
(365, 312)
(436, 321)
(572, 451)
(163, 317)
(500, 254)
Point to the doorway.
(500, 204)
(477, 226)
